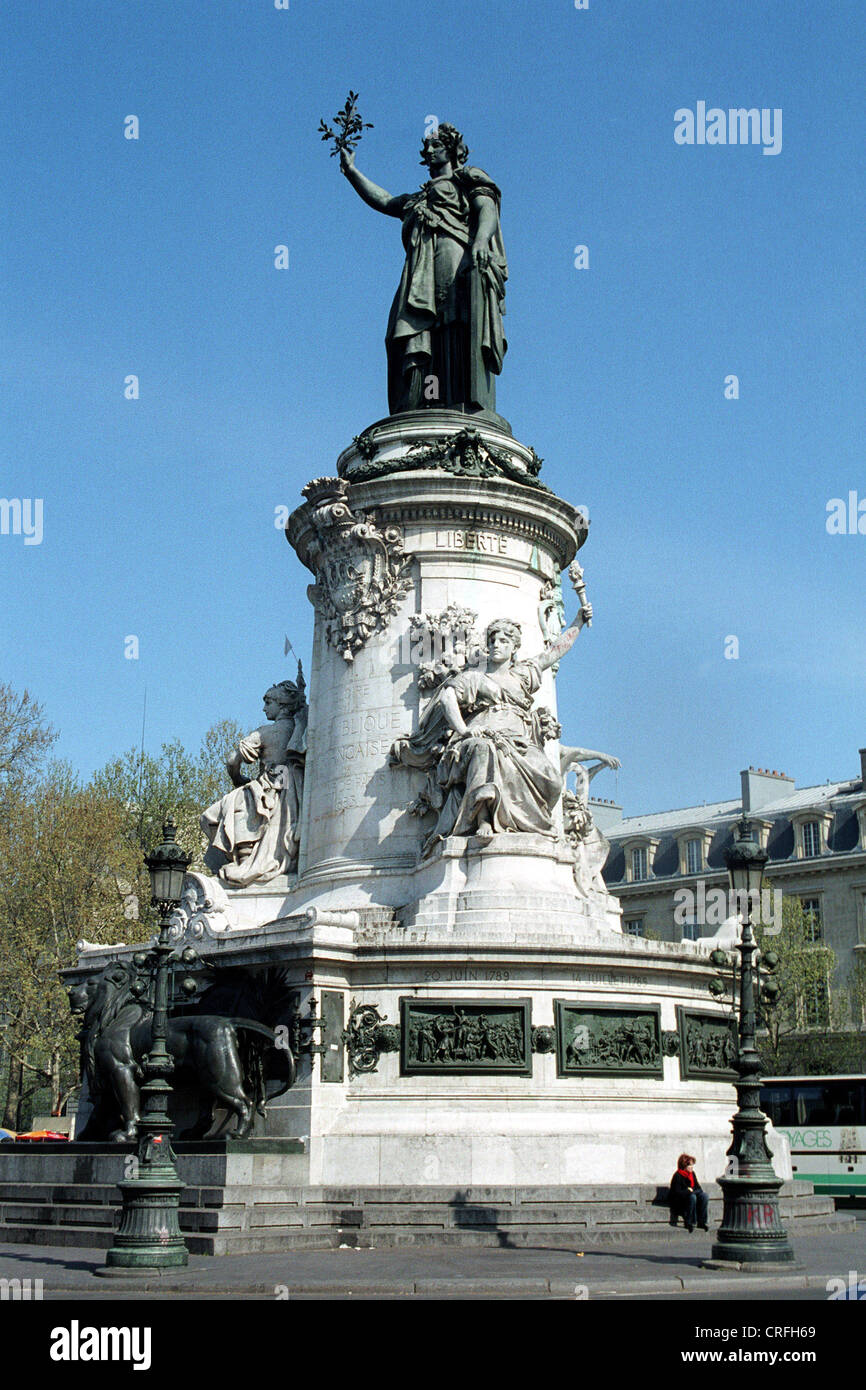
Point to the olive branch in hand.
(350, 127)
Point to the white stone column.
(490, 544)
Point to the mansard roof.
(715, 813)
(838, 799)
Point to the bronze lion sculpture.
(230, 1060)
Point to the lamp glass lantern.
(746, 862)
(167, 866)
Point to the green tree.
(72, 868)
(24, 736)
(804, 1004)
(856, 991)
(68, 871)
(176, 782)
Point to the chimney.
(759, 787)
(606, 815)
(863, 768)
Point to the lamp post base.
(751, 1232)
(149, 1235)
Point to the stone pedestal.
(366, 1115)
(479, 1018)
(496, 548)
(511, 888)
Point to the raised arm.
(555, 651)
(372, 194)
(569, 757)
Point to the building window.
(639, 863)
(694, 856)
(811, 838)
(691, 931)
(633, 926)
(816, 1005)
(812, 918)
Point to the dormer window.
(693, 843)
(639, 851)
(811, 838)
(811, 832)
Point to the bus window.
(776, 1102)
(844, 1097)
(810, 1106)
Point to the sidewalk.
(663, 1268)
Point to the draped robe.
(498, 769)
(256, 825)
(436, 327)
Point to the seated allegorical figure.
(256, 826)
(482, 742)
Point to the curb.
(556, 1287)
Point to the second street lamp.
(751, 1231)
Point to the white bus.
(824, 1118)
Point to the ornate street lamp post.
(149, 1233)
(751, 1231)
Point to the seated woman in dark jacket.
(688, 1198)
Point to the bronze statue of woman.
(445, 342)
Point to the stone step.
(238, 1218)
(83, 1206)
(49, 1216)
(276, 1239)
(396, 1197)
(33, 1213)
(279, 1239)
(49, 1171)
(45, 1204)
(95, 1194)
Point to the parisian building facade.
(816, 841)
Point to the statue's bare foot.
(484, 830)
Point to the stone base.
(509, 887)
(247, 1199)
(365, 1114)
(473, 1139)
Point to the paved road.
(668, 1268)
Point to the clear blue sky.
(155, 257)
